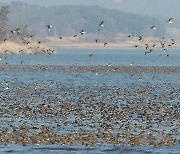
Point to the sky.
(165, 8)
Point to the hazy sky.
(168, 8)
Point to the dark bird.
(91, 55)
(82, 32)
(97, 40)
(151, 50)
(60, 37)
(75, 35)
(49, 27)
(146, 46)
(146, 52)
(129, 36)
(101, 24)
(173, 42)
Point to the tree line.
(70, 19)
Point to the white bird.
(82, 32)
(101, 24)
(49, 27)
(153, 27)
(170, 20)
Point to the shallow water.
(101, 57)
(19, 86)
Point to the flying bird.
(49, 27)
(101, 24)
(153, 27)
(82, 32)
(97, 40)
(140, 38)
(105, 44)
(136, 46)
(170, 20)
(13, 32)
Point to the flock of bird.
(20, 36)
(149, 48)
(82, 32)
(162, 44)
(35, 110)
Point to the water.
(101, 57)
(163, 86)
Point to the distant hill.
(70, 19)
(163, 8)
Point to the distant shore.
(76, 43)
(10, 47)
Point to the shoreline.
(49, 43)
(73, 43)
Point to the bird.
(140, 38)
(146, 46)
(30, 36)
(108, 65)
(82, 32)
(136, 46)
(129, 36)
(49, 27)
(154, 45)
(1, 28)
(170, 20)
(153, 27)
(13, 31)
(75, 35)
(173, 42)
(150, 50)
(60, 37)
(101, 24)
(105, 44)
(18, 31)
(146, 52)
(91, 55)
(97, 40)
